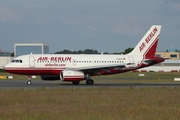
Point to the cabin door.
(31, 61)
(131, 61)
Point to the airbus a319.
(77, 67)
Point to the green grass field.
(90, 104)
(104, 103)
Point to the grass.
(102, 103)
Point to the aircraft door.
(31, 61)
(131, 61)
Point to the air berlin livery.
(75, 68)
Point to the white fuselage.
(38, 64)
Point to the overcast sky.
(103, 25)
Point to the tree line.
(87, 51)
(91, 51)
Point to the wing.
(97, 69)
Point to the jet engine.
(71, 75)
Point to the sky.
(103, 25)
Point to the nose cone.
(7, 68)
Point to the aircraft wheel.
(75, 82)
(29, 82)
(89, 82)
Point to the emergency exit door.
(131, 61)
(31, 61)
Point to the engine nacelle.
(50, 77)
(70, 75)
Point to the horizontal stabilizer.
(148, 61)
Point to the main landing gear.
(29, 80)
(88, 82)
(75, 82)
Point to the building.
(27, 48)
(169, 55)
(22, 49)
(5, 58)
(166, 66)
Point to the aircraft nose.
(6, 67)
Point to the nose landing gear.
(29, 82)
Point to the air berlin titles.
(54, 59)
(148, 39)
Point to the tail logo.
(148, 39)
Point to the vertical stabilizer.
(147, 46)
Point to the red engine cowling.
(70, 75)
(50, 77)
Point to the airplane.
(77, 67)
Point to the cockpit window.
(17, 61)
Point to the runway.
(18, 84)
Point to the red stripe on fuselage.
(34, 71)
